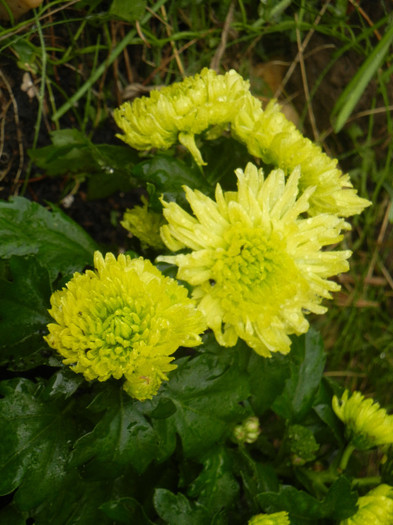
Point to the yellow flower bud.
(367, 425)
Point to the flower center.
(247, 264)
(123, 328)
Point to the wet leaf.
(58, 243)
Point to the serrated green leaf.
(35, 444)
(341, 501)
(23, 313)
(307, 362)
(176, 509)
(216, 487)
(122, 438)
(58, 243)
(168, 175)
(207, 391)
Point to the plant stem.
(364, 482)
(345, 457)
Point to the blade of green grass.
(102, 68)
(354, 90)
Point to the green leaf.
(58, 243)
(267, 379)
(307, 362)
(126, 10)
(37, 433)
(354, 90)
(168, 175)
(322, 406)
(207, 391)
(11, 516)
(23, 313)
(108, 166)
(176, 509)
(122, 438)
(216, 487)
(339, 503)
(125, 510)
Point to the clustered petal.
(367, 425)
(256, 264)
(124, 319)
(277, 518)
(209, 103)
(182, 110)
(270, 136)
(375, 508)
(145, 225)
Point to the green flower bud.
(367, 425)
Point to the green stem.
(364, 482)
(345, 457)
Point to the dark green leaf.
(126, 510)
(339, 503)
(59, 244)
(11, 516)
(108, 166)
(23, 313)
(216, 487)
(176, 509)
(223, 157)
(323, 407)
(207, 391)
(307, 362)
(122, 438)
(168, 175)
(126, 10)
(35, 443)
(267, 379)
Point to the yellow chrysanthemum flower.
(145, 225)
(278, 518)
(270, 136)
(367, 425)
(123, 319)
(256, 264)
(375, 508)
(182, 110)
(211, 102)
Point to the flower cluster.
(182, 110)
(211, 102)
(145, 225)
(375, 508)
(278, 518)
(269, 136)
(367, 425)
(256, 265)
(123, 319)
(248, 431)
